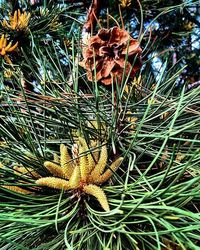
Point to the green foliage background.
(154, 196)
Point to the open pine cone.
(107, 52)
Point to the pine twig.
(91, 21)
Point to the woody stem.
(92, 16)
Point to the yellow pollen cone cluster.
(29, 172)
(19, 21)
(86, 174)
(6, 47)
(20, 171)
(125, 3)
(17, 189)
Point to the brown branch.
(92, 16)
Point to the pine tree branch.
(92, 15)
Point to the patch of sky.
(157, 65)
(196, 36)
(154, 25)
(195, 12)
